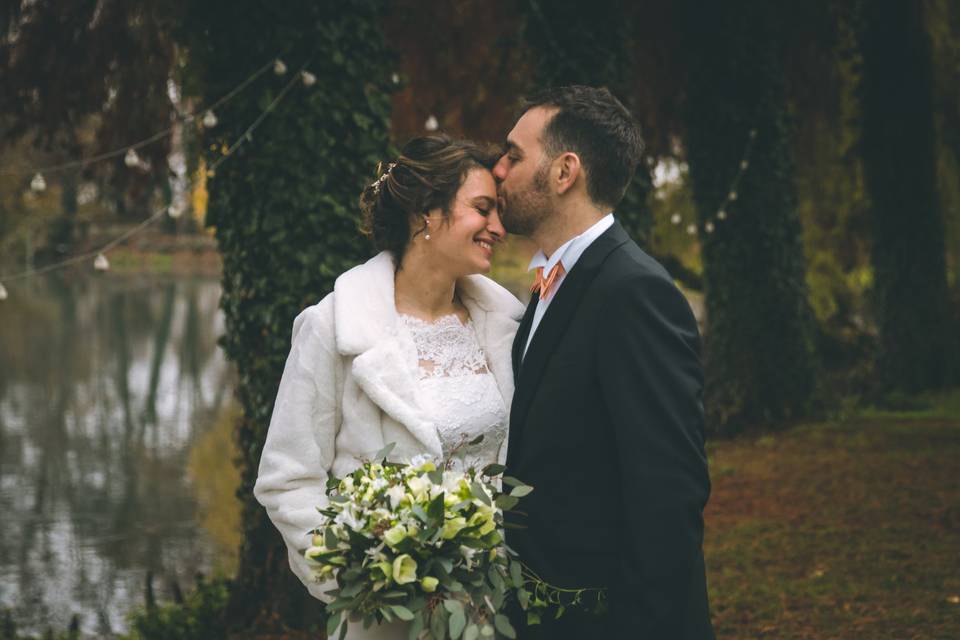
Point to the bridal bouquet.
(422, 545)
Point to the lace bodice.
(458, 390)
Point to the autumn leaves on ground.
(846, 529)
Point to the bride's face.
(463, 241)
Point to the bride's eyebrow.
(484, 200)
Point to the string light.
(175, 210)
(279, 67)
(209, 119)
(395, 77)
(131, 159)
(709, 226)
(101, 263)
(308, 78)
(184, 118)
(431, 124)
(38, 183)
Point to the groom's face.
(523, 175)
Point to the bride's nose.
(494, 226)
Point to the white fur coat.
(349, 388)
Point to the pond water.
(115, 451)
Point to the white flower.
(395, 493)
(348, 518)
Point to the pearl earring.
(426, 236)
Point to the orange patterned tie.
(543, 284)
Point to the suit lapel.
(521, 338)
(555, 321)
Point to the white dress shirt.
(568, 253)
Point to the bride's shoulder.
(317, 318)
(493, 296)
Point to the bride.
(412, 347)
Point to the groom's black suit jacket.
(607, 426)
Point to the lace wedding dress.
(462, 398)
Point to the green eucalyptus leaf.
(493, 469)
(521, 491)
(402, 612)
(503, 625)
(333, 622)
(383, 453)
(458, 621)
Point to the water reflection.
(109, 388)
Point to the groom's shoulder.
(629, 262)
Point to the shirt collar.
(569, 252)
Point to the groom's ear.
(570, 169)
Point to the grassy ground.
(847, 529)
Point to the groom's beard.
(523, 211)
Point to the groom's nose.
(500, 169)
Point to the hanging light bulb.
(38, 183)
(744, 164)
(131, 159)
(395, 78)
(279, 67)
(692, 229)
(721, 215)
(175, 210)
(210, 119)
(101, 263)
(676, 219)
(431, 124)
(732, 196)
(308, 78)
(3, 292)
(708, 227)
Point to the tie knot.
(543, 285)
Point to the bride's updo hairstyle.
(426, 176)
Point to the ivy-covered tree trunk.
(760, 359)
(285, 213)
(574, 43)
(908, 255)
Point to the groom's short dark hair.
(596, 126)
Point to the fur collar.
(386, 364)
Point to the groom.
(607, 421)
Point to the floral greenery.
(284, 208)
(419, 544)
(425, 545)
(760, 359)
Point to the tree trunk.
(284, 208)
(760, 359)
(910, 286)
